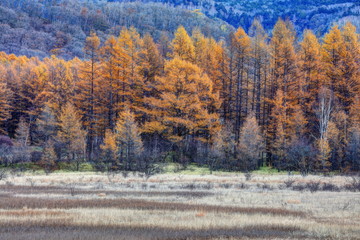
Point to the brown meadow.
(90, 206)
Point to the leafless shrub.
(8, 183)
(226, 185)
(248, 176)
(110, 176)
(125, 174)
(313, 186)
(207, 186)
(190, 186)
(267, 187)
(31, 182)
(129, 185)
(3, 174)
(299, 187)
(241, 186)
(288, 183)
(353, 185)
(330, 187)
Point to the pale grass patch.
(328, 214)
(293, 201)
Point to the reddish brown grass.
(20, 189)
(60, 230)
(20, 202)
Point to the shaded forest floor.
(178, 206)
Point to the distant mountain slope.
(42, 27)
(317, 15)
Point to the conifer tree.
(109, 91)
(353, 146)
(284, 60)
(128, 140)
(284, 88)
(240, 51)
(88, 88)
(333, 54)
(351, 62)
(260, 70)
(224, 148)
(186, 105)
(48, 158)
(109, 150)
(277, 135)
(183, 46)
(312, 75)
(5, 105)
(151, 66)
(71, 135)
(46, 125)
(60, 86)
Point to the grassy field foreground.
(168, 206)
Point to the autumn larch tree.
(277, 138)
(212, 58)
(46, 126)
(353, 147)
(131, 43)
(284, 87)
(311, 75)
(109, 150)
(351, 64)
(49, 157)
(260, 70)
(183, 46)
(151, 65)
(186, 107)
(71, 135)
(129, 145)
(87, 87)
(5, 105)
(112, 56)
(240, 52)
(61, 85)
(333, 55)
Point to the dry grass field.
(100, 206)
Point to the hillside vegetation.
(41, 28)
(317, 15)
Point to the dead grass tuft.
(20, 202)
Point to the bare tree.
(251, 143)
(323, 114)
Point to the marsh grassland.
(130, 206)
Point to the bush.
(313, 186)
(354, 185)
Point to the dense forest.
(44, 28)
(317, 15)
(41, 28)
(235, 104)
